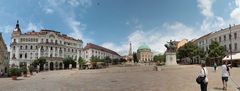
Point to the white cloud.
(31, 27)
(214, 23)
(235, 14)
(6, 29)
(48, 11)
(155, 38)
(83, 3)
(206, 7)
(65, 8)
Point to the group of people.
(204, 72)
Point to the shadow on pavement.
(218, 88)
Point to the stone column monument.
(171, 58)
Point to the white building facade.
(98, 51)
(228, 37)
(54, 46)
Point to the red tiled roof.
(93, 46)
(45, 31)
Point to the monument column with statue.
(171, 58)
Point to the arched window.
(13, 57)
(21, 47)
(20, 55)
(26, 47)
(25, 55)
(46, 40)
(31, 47)
(14, 47)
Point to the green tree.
(94, 59)
(135, 59)
(67, 61)
(40, 61)
(107, 60)
(216, 50)
(159, 58)
(189, 50)
(81, 62)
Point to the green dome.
(144, 46)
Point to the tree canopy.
(190, 50)
(216, 50)
(135, 59)
(159, 58)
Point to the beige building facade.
(4, 55)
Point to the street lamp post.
(230, 44)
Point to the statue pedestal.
(171, 58)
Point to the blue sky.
(115, 23)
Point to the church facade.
(144, 53)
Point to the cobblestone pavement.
(137, 78)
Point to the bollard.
(155, 68)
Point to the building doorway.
(51, 66)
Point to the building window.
(220, 38)
(25, 55)
(14, 47)
(230, 37)
(51, 48)
(13, 56)
(21, 47)
(20, 55)
(14, 40)
(224, 37)
(42, 40)
(235, 46)
(56, 41)
(225, 47)
(31, 47)
(235, 35)
(230, 47)
(26, 47)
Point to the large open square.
(134, 78)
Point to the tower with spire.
(130, 54)
(17, 30)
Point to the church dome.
(144, 46)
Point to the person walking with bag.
(202, 77)
(225, 74)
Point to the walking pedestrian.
(203, 73)
(225, 74)
(215, 66)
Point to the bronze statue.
(171, 46)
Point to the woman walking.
(203, 73)
(225, 74)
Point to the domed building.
(144, 53)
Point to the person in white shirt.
(225, 74)
(204, 73)
(70, 66)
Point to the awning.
(235, 56)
